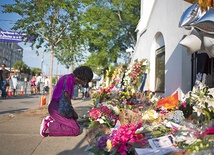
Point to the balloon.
(189, 16)
(206, 22)
(208, 40)
(193, 41)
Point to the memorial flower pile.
(185, 121)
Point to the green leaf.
(96, 151)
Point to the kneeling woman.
(56, 124)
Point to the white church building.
(172, 68)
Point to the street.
(21, 103)
(20, 119)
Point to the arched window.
(160, 70)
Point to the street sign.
(12, 36)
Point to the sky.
(30, 57)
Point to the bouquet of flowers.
(201, 102)
(136, 71)
(122, 141)
(102, 95)
(102, 115)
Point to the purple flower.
(184, 105)
(102, 142)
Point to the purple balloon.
(191, 15)
(206, 22)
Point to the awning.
(96, 77)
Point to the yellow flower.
(108, 145)
(150, 115)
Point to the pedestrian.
(84, 91)
(4, 80)
(90, 85)
(38, 82)
(14, 78)
(46, 85)
(56, 124)
(76, 88)
(33, 84)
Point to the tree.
(110, 27)
(67, 28)
(94, 62)
(35, 71)
(48, 21)
(21, 66)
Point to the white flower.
(150, 115)
(101, 121)
(197, 110)
(145, 117)
(210, 103)
(154, 99)
(140, 130)
(116, 110)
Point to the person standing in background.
(84, 91)
(38, 82)
(14, 78)
(4, 78)
(46, 85)
(33, 84)
(90, 85)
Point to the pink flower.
(124, 135)
(133, 74)
(95, 113)
(105, 110)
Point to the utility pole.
(42, 60)
(11, 53)
(2, 55)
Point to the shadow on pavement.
(20, 97)
(77, 148)
(14, 111)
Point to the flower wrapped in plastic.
(102, 115)
(102, 95)
(123, 140)
(136, 70)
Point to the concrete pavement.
(19, 130)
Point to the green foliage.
(36, 71)
(54, 81)
(186, 108)
(49, 22)
(21, 66)
(69, 28)
(97, 151)
(110, 27)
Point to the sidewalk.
(19, 133)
